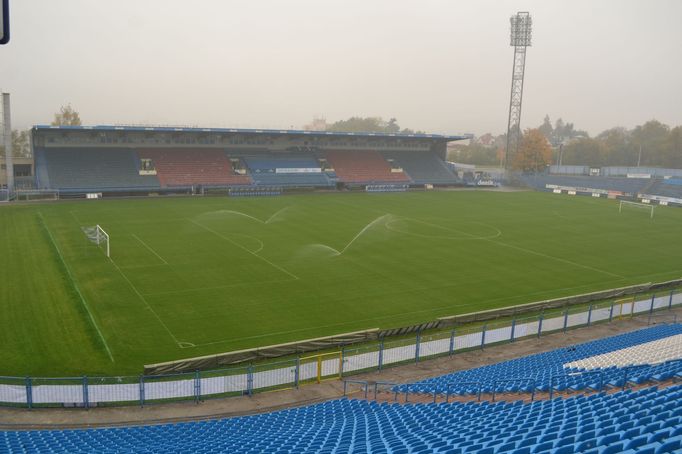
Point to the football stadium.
(219, 290)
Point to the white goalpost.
(98, 236)
(624, 204)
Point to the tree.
(368, 124)
(535, 152)
(20, 145)
(67, 116)
(546, 128)
(586, 152)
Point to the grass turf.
(195, 276)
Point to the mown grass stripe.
(75, 285)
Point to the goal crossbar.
(626, 203)
(97, 235)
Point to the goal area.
(98, 236)
(636, 206)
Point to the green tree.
(368, 124)
(546, 128)
(586, 152)
(20, 145)
(673, 157)
(652, 136)
(535, 152)
(67, 116)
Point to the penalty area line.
(75, 286)
(149, 248)
(208, 229)
(175, 339)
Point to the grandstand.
(642, 420)
(143, 160)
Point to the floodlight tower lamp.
(520, 38)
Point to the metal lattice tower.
(520, 38)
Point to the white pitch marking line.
(208, 229)
(145, 302)
(149, 248)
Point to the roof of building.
(290, 132)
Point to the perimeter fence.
(86, 392)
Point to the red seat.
(192, 166)
(363, 167)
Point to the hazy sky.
(439, 66)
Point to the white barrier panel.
(661, 301)
(361, 361)
(434, 347)
(625, 309)
(330, 367)
(677, 299)
(552, 324)
(308, 371)
(57, 394)
(274, 377)
(168, 389)
(526, 329)
(14, 394)
(397, 354)
(577, 319)
(222, 385)
(498, 335)
(468, 340)
(601, 314)
(114, 392)
(642, 306)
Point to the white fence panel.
(15, 394)
(308, 371)
(361, 361)
(468, 340)
(397, 354)
(330, 367)
(677, 299)
(57, 394)
(526, 329)
(577, 319)
(434, 347)
(661, 301)
(168, 389)
(601, 314)
(274, 377)
(222, 385)
(114, 392)
(642, 306)
(498, 335)
(552, 324)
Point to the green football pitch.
(195, 276)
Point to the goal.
(97, 235)
(625, 206)
(28, 195)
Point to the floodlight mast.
(520, 39)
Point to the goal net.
(36, 194)
(636, 206)
(97, 235)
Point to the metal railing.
(86, 392)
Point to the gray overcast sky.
(439, 66)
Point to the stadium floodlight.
(520, 39)
(4, 22)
